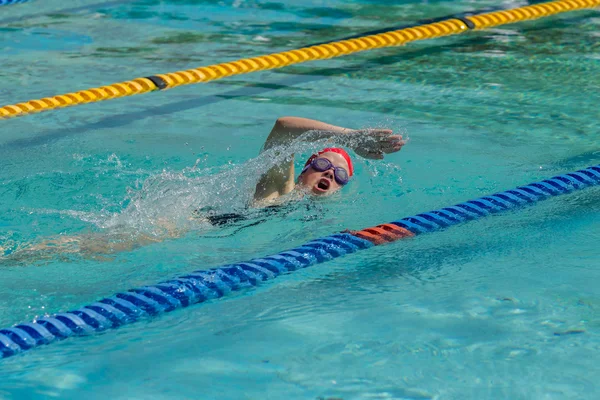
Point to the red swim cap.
(338, 150)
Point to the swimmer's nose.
(329, 173)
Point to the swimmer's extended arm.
(279, 180)
(287, 129)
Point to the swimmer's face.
(323, 183)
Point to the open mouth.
(323, 184)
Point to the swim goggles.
(321, 164)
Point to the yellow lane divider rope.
(399, 37)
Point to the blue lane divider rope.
(199, 286)
(9, 2)
(483, 206)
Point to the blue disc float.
(196, 287)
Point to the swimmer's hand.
(373, 143)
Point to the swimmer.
(323, 174)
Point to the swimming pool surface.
(501, 308)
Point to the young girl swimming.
(323, 174)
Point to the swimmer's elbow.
(283, 122)
(280, 132)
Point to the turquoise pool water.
(505, 307)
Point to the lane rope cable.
(452, 26)
(199, 286)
